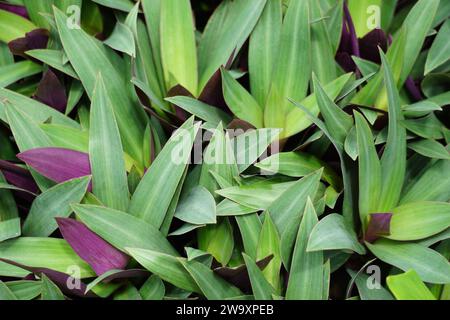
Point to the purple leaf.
(52, 92)
(18, 176)
(369, 45)
(19, 10)
(98, 253)
(379, 225)
(36, 39)
(65, 282)
(57, 164)
(351, 27)
(413, 89)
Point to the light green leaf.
(263, 50)
(54, 202)
(429, 265)
(376, 292)
(49, 290)
(332, 233)
(6, 293)
(13, 26)
(25, 289)
(53, 58)
(122, 39)
(250, 229)
(51, 253)
(11, 73)
(218, 240)
(153, 289)
(109, 179)
(409, 286)
(240, 101)
(418, 220)
(178, 49)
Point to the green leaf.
(369, 170)
(167, 267)
(439, 52)
(53, 58)
(109, 179)
(11, 73)
(153, 289)
(225, 34)
(211, 285)
(201, 110)
(334, 117)
(290, 78)
(229, 208)
(122, 5)
(218, 240)
(306, 272)
(429, 265)
(429, 185)
(49, 290)
(430, 148)
(428, 127)
(323, 62)
(393, 161)
(296, 119)
(332, 233)
(35, 110)
(51, 253)
(122, 39)
(13, 26)
(6, 293)
(362, 16)
(418, 220)
(269, 244)
(263, 50)
(197, 207)
(250, 229)
(417, 23)
(25, 289)
(88, 57)
(240, 101)
(289, 207)
(409, 286)
(262, 290)
(54, 202)
(376, 292)
(9, 215)
(178, 49)
(123, 230)
(149, 202)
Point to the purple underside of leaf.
(65, 282)
(351, 27)
(52, 92)
(379, 225)
(98, 253)
(19, 10)
(18, 177)
(57, 164)
(239, 276)
(413, 89)
(369, 45)
(126, 274)
(36, 39)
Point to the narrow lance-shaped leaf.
(369, 170)
(393, 162)
(99, 254)
(148, 202)
(109, 178)
(262, 290)
(409, 286)
(306, 272)
(50, 291)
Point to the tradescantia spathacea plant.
(235, 149)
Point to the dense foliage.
(235, 149)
